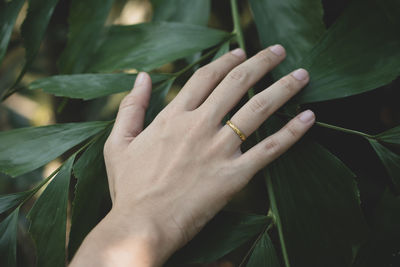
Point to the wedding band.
(241, 135)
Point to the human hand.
(168, 180)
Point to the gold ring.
(241, 135)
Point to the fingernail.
(300, 74)
(277, 50)
(239, 52)
(307, 116)
(139, 79)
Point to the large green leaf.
(86, 21)
(157, 100)
(11, 200)
(390, 160)
(150, 45)
(296, 24)
(264, 254)
(89, 86)
(360, 52)
(391, 136)
(35, 24)
(315, 201)
(48, 219)
(8, 239)
(224, 233)
(185, 11)
(25, 149)
(8, 14)
(91, 192)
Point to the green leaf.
(222, 51)
(150, 45)
(391, 136)
(86, 21)
(157, 100)
(48, 219)
(185, 11)
(224, 233)
(91, 192)
(264, 254)
(315, 201)
(35, 24)
(89, 86)
(8, 239)
(8, 14)
(25, 149)
(390, 160)
(360, 52)
(296, 24)
(11, 200)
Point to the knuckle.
(207, 72)
(267, 57)
(292, 131)
(272, 146)
(287, 84)
(238, 74)
(258, 104)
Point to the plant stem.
(334, 127)
(237, 30)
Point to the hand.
(168, 180)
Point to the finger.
(261, 106)
(131, 113)
(240, 79)
(273, 146)
(206, 78)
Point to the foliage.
(314, 215)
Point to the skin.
(168, 180)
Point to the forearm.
(116, 241)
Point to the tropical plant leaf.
(315, 201)
(150, 45)
(58, 138)
(35, 24)
(11, 200)
(185, 11)
(264, 254)
(296, 24)
(8, 14)
(157, 100)
(91, 192)
(48, 219)
(357, 54)
(89, 86)
(390, 160)
(86, 21)
(221, 51)
(8, 240)
(391, 136)
(224, 233)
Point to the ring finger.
(249, 117)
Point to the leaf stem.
(237, 29)
(334, 127)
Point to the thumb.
(131, 113)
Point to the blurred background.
(371, 112)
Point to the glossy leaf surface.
(89, 86)
(14, 144)
(86, 21)
(150, 45)
(91, 193)
(264, 254)
(8, 14)
(48, 219)
(224, 233)
(357, 54)
(284, 22)
(185, 11)
(8, 239)
(391, 136)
